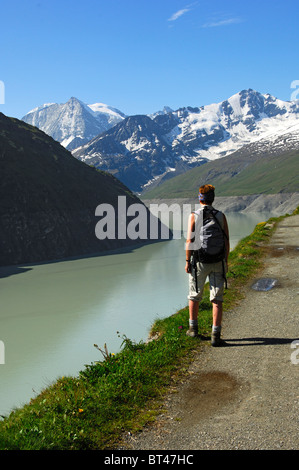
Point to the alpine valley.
(145, 150)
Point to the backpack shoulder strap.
(214, 213)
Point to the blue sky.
(142, 55)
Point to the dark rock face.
(48, 199)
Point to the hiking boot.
(216, 341)
(193, 332)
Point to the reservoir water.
(52, 314)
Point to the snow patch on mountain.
(113, 114)
(218, 129)
(73, 123)
(46, 105)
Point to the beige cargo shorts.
(214, 272)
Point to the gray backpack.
(212, 238)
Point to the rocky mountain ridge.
(143, 151)
(150, 152)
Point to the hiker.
(201, 264)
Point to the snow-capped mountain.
(134, 150)
(143, 150)
(146, 149)
(217, 130)
(73, 123)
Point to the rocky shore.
(278, 204)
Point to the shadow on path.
(258, 341)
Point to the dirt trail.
(246, 395)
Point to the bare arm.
(190, 239)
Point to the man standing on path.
(207, 225)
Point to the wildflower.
(80, 410)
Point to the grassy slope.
(123, 391)
(235, 175)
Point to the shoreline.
(279, 204)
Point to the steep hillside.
(48, 198)
(255, 169)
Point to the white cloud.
(177, 14)
(215, 24)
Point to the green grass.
(92, 410)
(123, 392)
(235, 175)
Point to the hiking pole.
(194, 271)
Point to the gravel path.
(244, 396)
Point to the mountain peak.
(73, 98)
(73, 123)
